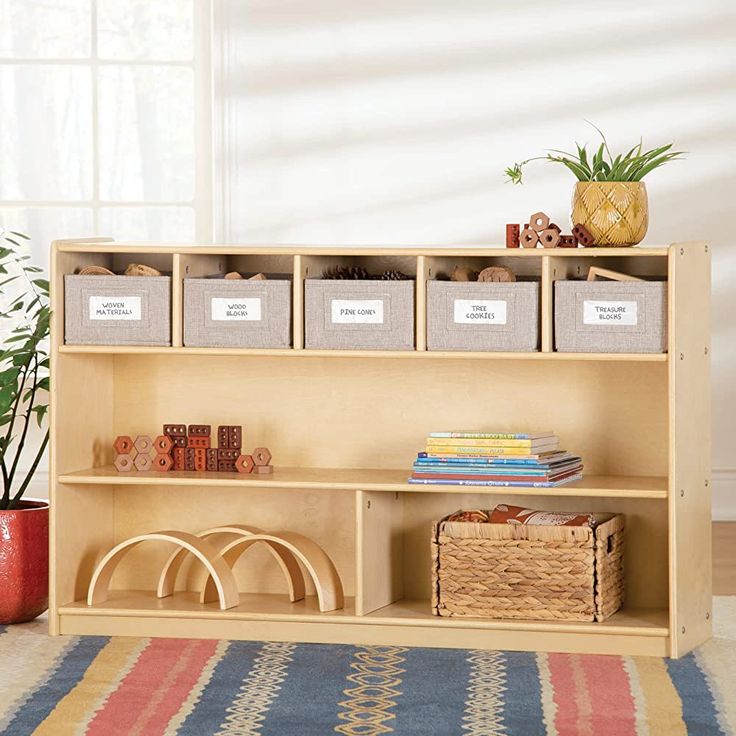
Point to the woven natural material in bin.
(510, 571)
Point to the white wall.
(390, 122)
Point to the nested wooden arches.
(218, 549)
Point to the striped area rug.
(103, 686)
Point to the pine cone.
(393, 274)
(345, 272)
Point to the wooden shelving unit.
(344, 427)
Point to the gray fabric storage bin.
(239, 314)
(117, 310)
(483, 316)
(611, 316)
(360, 315)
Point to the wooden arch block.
(316, 561)
(220, 574)
(220, 537)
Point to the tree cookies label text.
(357, 312)
(480, 312)
(115, 307)
(609, 313)
(240, 310)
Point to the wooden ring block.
(221, 575)
(221, 536)
(316, 561)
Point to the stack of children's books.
(495, 459)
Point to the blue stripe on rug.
(698, 706)
(434, 688)
(69, 670)
(522, 708)
(310, 692)
(211, 709)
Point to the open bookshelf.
(344, 426)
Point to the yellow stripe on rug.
(663, 704)
(101, 678)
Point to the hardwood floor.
(724, 558)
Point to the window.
(105, 120)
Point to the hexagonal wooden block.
(142, 461)
(143, 443)
(539, 221)
(162, 462)
(123, 445)
(263, 469)
(528, 238)
(261, 456)
(124, 463)
(244, 464)
(163, 443)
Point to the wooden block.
(200, 460)
(236, 437)
(175, 430)
(512, 235)
(258, 277)
(263, 469)
(605, 273)
(226, 466)
(232, 276)
(223, 437)
(549, 237)
(261, 456)
(528, 238)
(539, 221)
(163, 443)
(178, 441)
(179, 458)
(142, 462)
(123, 445)
(582, 235)
(162, 462)
(124, 463)
(244, 464)
(492, 273)
(227, 454)
(211, 460)
(198, 443)
(143, 444)
(463, 273)
(567, 241)
(188, 459)
(199, 430)
(553, 226)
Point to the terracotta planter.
(615, 213)
(24, 562)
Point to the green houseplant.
(610, 198)
(24, 385)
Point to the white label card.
(240, 310)
(115, 307)
(357, 311)
(480, 311)
(597, 312)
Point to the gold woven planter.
(616, 213)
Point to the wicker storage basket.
(506, 571)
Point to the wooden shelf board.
(366, 479)
(380, 251)
(403, 354)
(274, 607)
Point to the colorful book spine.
(433, 450)
(494, 483)
(423, 457)
(492, 435)
(471, 442)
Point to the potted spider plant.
(610, 198)
(24, 384)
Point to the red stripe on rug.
(613, 703)
(564, 684)
(153, 691)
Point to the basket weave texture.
(506, 571)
